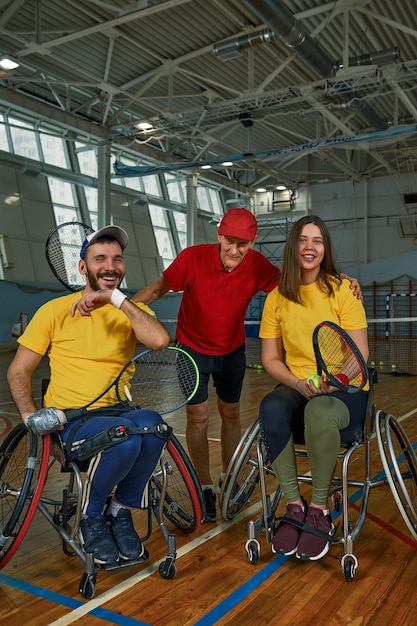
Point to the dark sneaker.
(210, 501)
(317, 535)
(125, 536)
(96, 538)
(285, 539)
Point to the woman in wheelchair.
(88, 339)
(310, 291)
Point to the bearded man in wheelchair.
(88, 337)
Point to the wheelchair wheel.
(183, 504)
(400, 464)
(24, 462)
(242, 475)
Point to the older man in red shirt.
(218, 282)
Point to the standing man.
(88, 339)
(218, 282)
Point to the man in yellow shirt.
(88, 338)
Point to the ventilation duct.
(380, 58)
(230, 49)
(277, 17)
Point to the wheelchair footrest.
(122, 563)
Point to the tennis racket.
(162, 380)
(339, 358)
(62, 251)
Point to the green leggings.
(323, 419)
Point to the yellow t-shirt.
(295, 322)
(85, 353)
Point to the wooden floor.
(215, 582)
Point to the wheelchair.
(249, 467)
(174, 498)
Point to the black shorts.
(227, 372)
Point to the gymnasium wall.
(364, 219)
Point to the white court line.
(151, 569)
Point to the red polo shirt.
(214, 302)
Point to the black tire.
(24, 462)
(242, 475)
(184, 503)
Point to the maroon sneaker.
(315, 541)
(285, 539)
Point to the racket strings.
(63, 253)
(338, 356)
(158, 381)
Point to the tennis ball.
(315, 380)
(381, 364)
(372, 363)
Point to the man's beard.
(92, 281)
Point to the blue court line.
(58, 598)
(240, 594)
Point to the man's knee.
(198, 414)
(229, 411)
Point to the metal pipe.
(379, 58)
(274, 15)
(231, 48)
(277, 18)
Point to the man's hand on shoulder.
(354, 285)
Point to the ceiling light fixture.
(8, 63)
(261, 189)
(144, 126)
(206, 167)
(227, 163)
(281, 187)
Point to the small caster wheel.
(337, 501)
(88, 586)
(167, 570)
(253, 553)
(350, 567)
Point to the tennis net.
(392, 345)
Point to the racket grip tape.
(343, 379)
(45, 421)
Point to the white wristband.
(117, 298)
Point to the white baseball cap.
(115, 232)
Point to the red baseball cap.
(239, 223)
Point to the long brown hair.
(290, 280)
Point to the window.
(175, 188)
(4, 142)
(23, 139)
(162, 234)
(152, 186)
(87, 159)
(181, 224)
(53, 150)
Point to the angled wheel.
(242, 475)
(24, 462)
(183, 504)
(400, 464)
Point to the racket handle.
(343, 379)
